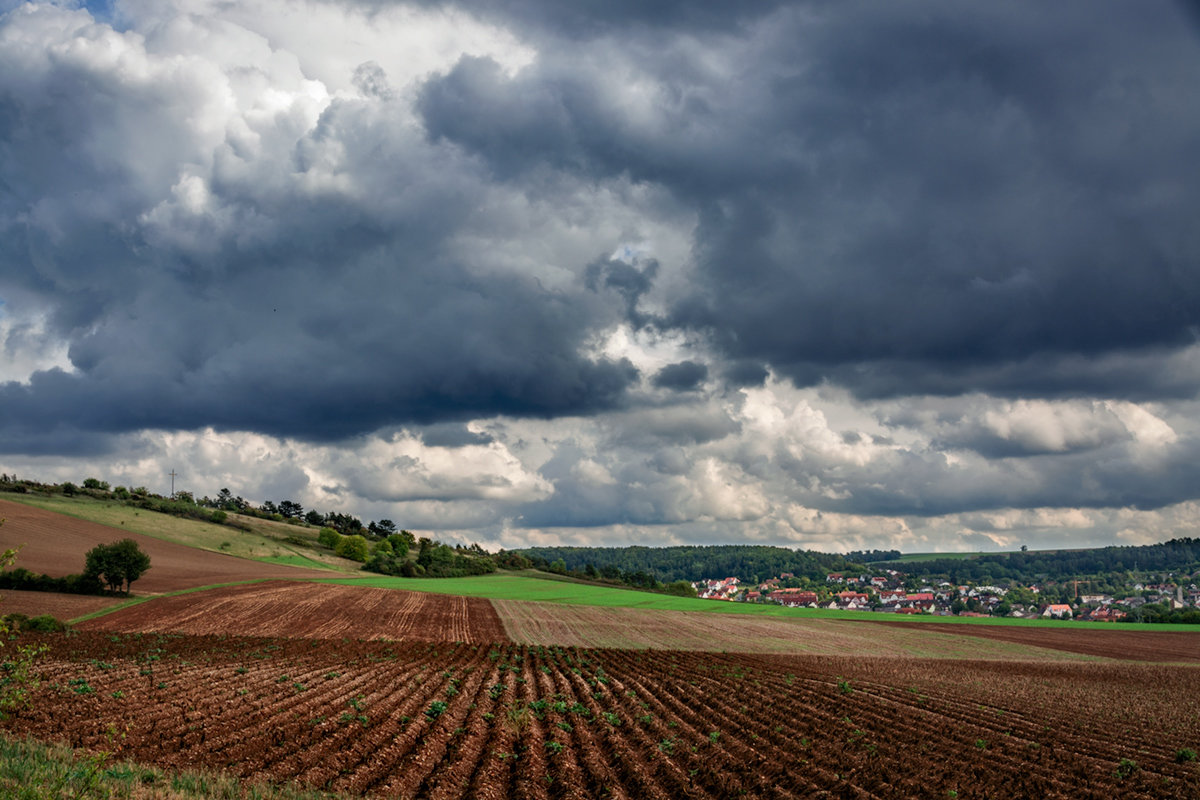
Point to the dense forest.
(692, 563)
(1175, 556)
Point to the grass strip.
(30, 770)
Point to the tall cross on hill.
(173, 473)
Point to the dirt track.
(55, 545)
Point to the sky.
(918, 275)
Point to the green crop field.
(912, 557)
(264, 543)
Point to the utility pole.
(173, 473)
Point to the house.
(879, 581)
(833, 577)
(1108, 614)
(1057, 611)
(919, 600)
(794, 598)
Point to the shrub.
(329, 538)
(45, 623)
(1185, 755)
(352, 547)
(219, 516)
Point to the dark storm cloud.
(685, 376)
(261, 303)
(904, 197)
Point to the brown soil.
(312, 610)
(1148, 645)
(55, 545)
(60, 606)
(424, 719)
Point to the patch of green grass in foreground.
(253, 545)
(528, 586)
(30, 770)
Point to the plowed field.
(440, 720)
(60, 606)
(1147, 645)
(55, 545)
(312, 610)
(585, 626)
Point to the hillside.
(257, 539)
(55, 544)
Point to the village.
(892, 592)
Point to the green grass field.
(909, 558)
(264, 543)
(527, 586)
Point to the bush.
(353, 547)
(219, 517)
(329, 538)
(45, 623)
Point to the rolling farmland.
(373, 691)
(453, 720)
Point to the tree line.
(1109, 565)
(748, 563)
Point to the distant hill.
(693, 563)
(1178, 556)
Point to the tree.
(95, 483)
(290, 509)
(117, 564)
(383, 528)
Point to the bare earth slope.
(55, 545)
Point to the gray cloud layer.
(627, 223)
